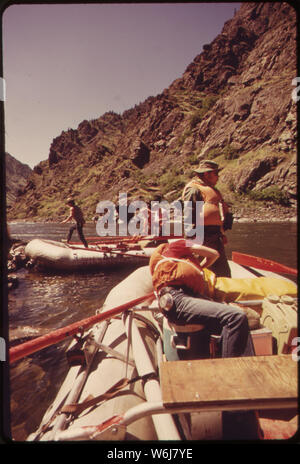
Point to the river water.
(50, 301)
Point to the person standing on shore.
(76, 215)
(217, 217)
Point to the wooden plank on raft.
(256, 382)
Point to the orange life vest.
(215, 207)
(184, 272)
(187, 272)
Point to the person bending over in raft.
(192, 287)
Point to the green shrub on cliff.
(172, 180)
(272, 193)
(205, 105)
(229, 152)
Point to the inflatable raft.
(52, 255)
(128, 381)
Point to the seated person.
(175, 270)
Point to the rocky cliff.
(17, 175)
(232, 104)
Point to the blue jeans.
(218, 318)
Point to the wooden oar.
(32, 346)
(262, 263)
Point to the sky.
(64, 63)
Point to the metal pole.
(77, 387)
(164, 424)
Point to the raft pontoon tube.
(52, 255)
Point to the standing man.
(77, 215)
(217, 217)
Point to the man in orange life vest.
(217, 217)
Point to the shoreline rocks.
(16, 260)
(269, 214)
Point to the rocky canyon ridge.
(233, 104)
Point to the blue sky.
(64, 63)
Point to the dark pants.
(80, 233)
(213, 239)
(218, 318)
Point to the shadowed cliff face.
(232, 104)
(17, 175)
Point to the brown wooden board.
(257, 382)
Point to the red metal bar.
(32, 346)
(262, 263)
(134, 239)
